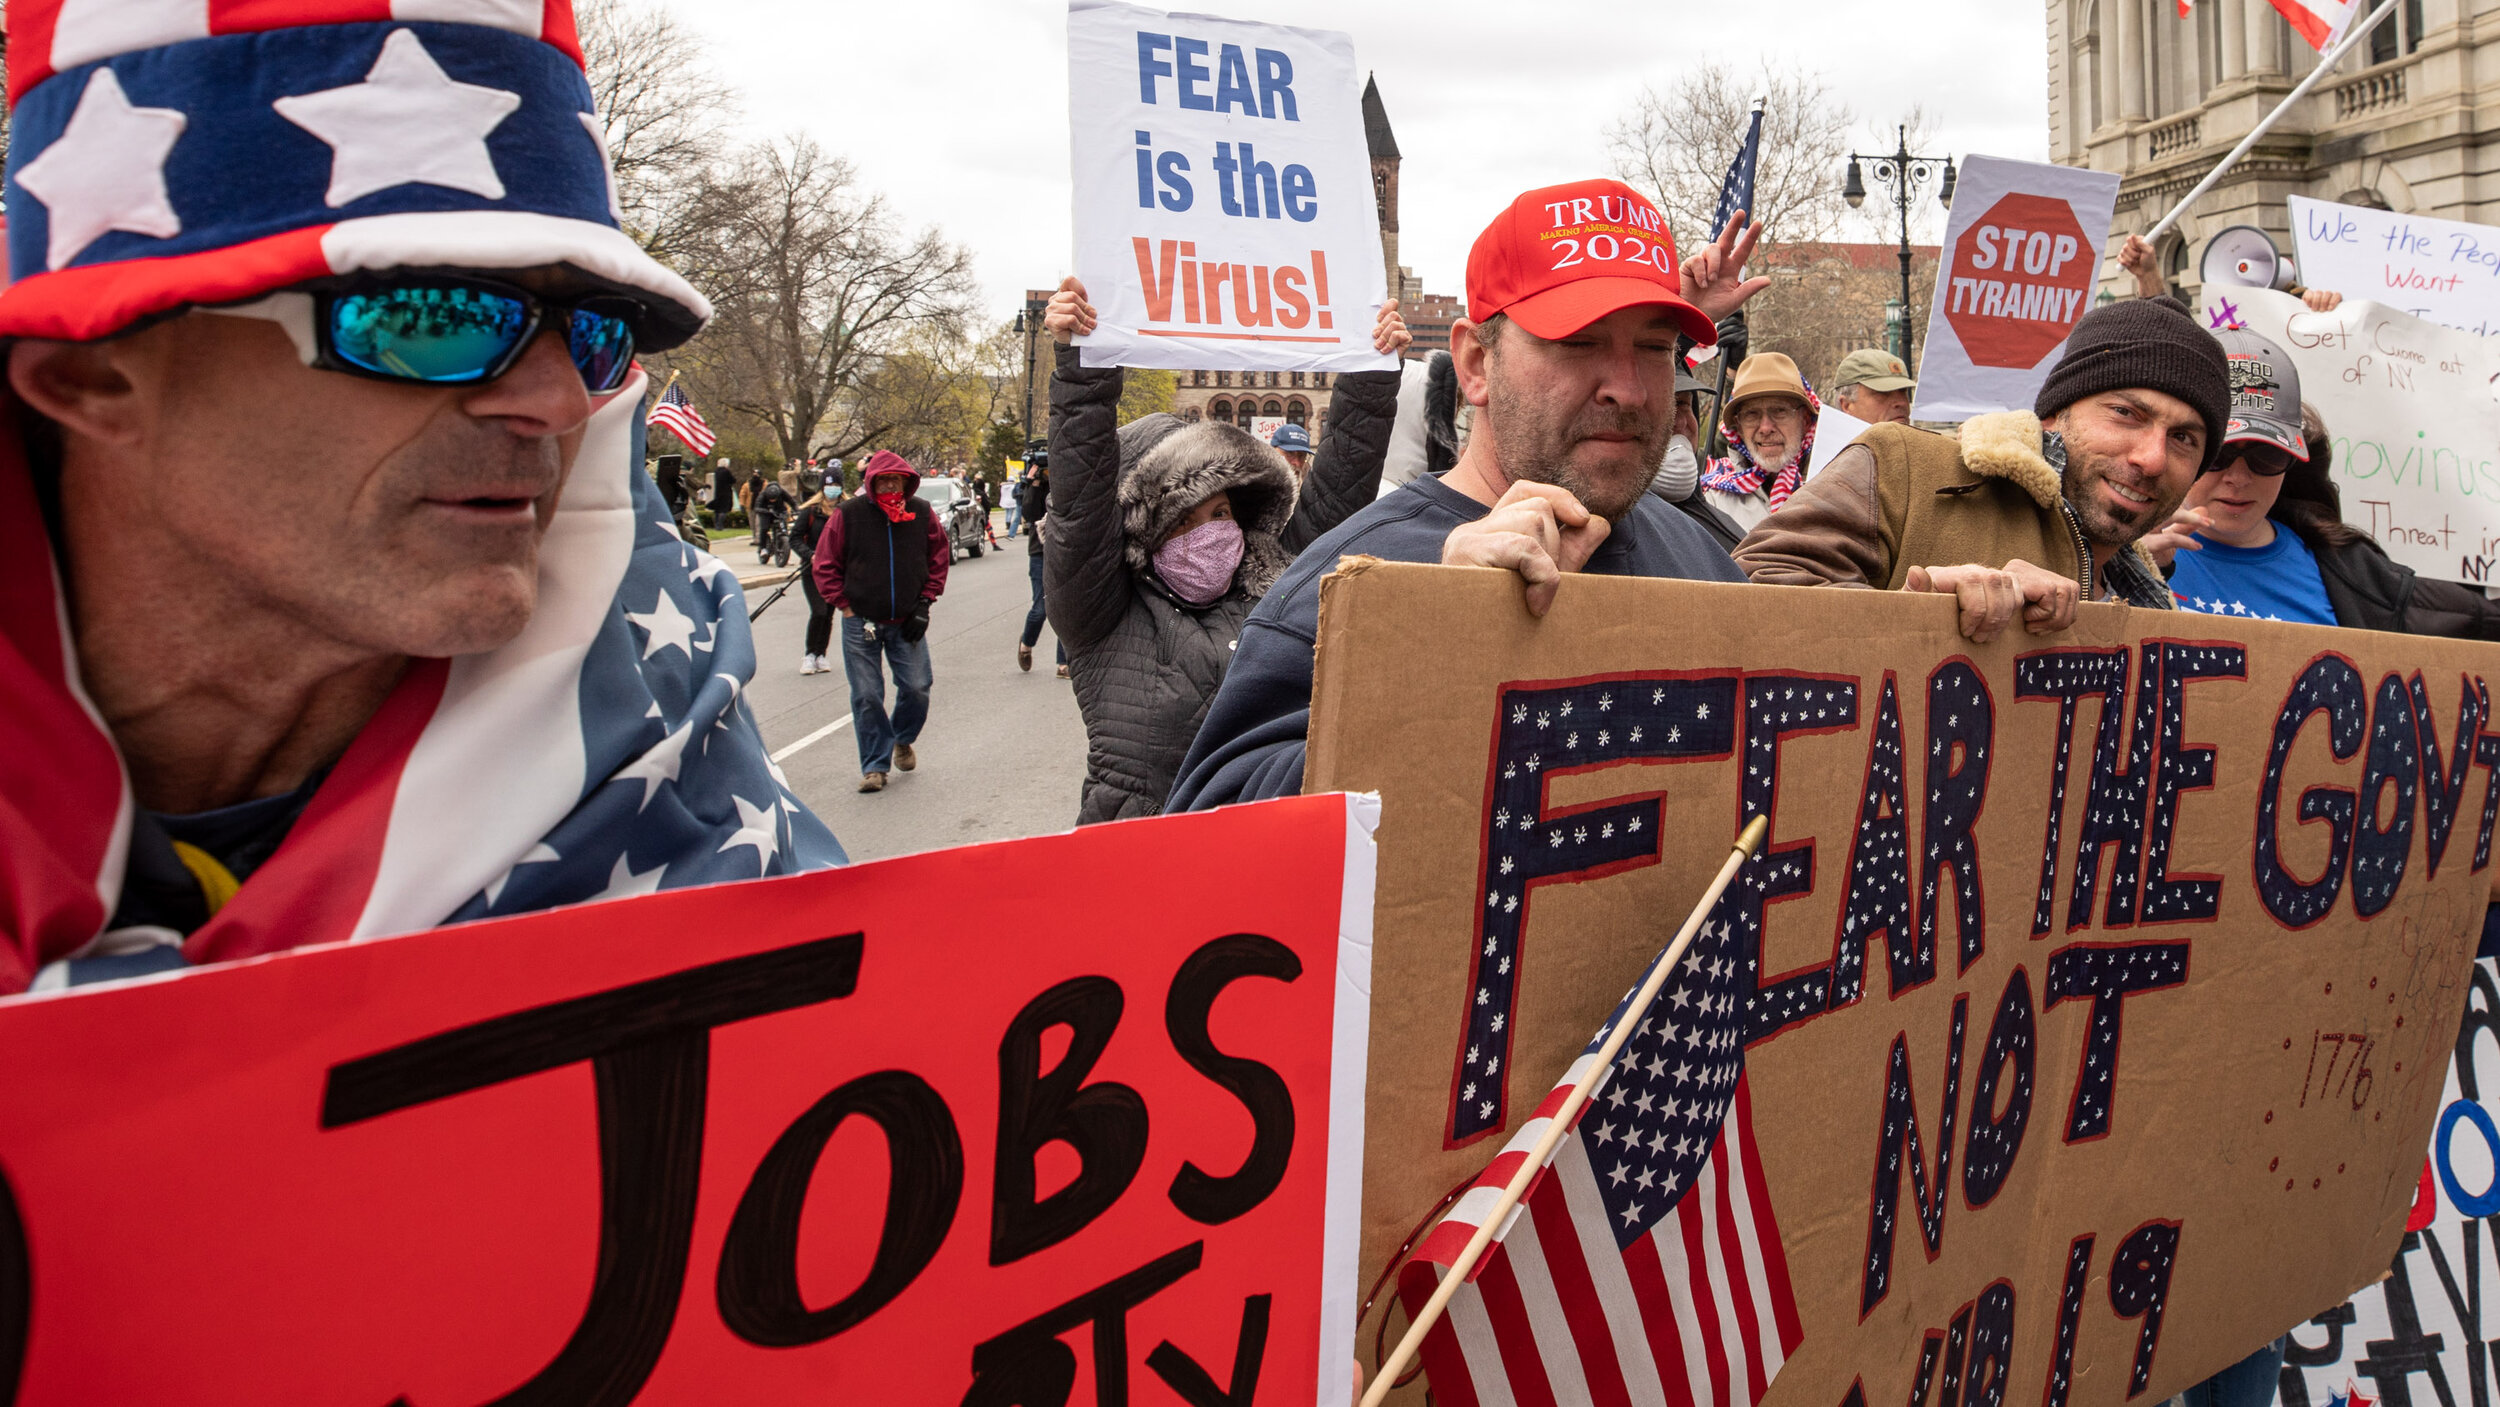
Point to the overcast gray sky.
(958, 109)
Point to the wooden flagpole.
(1581, 1091)
(2326, 61)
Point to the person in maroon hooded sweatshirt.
(881, 562)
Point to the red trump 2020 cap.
(1562, 257)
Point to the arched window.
(1272, 408)
(1297, 413)
(2174, 267)
(1221, 410)
(1243, 415)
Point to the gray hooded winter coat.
(1146, 663)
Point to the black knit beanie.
(2151, 343)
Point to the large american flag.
(677, 415)
(1644, 1267)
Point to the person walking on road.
(1161, 537)
(1033, 501)
(882, 561)
(805, 531)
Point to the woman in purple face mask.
(1162, 534)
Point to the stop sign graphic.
(2021, 275)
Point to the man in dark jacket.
(1572, 374)
(1032, 503)
(881, 561)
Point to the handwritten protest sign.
(841, 1137)
(2076, 969)
(2415, 423)
(1224, 209)
(2430, 1318)
(2442, 271)
(2021, 251)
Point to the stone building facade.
(2404, 122)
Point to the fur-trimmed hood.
(2011, 445)
(1169, 466)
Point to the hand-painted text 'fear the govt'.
(1913, 882)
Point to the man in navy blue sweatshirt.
(1575, 300)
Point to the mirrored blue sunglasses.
(465, 331)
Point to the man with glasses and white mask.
(1769, 422)
(333, 602)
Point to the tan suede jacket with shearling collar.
(1900, 498)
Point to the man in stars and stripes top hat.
(333, 602)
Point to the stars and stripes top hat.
(167, 153)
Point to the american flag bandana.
(607, 751)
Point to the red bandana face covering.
(891, 504)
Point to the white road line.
(818, 736)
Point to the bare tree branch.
(832, 325)
(664, 110)
(1676, 144)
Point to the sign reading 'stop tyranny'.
(2020, 255)
(1225, 217)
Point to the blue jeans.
(2251, 1382)
(1015, 514)
(864, 660)
(1033, 618)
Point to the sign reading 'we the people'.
(1225, 216)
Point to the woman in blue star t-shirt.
(2261, 536)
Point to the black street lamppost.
(1029, 325)
(1904, 176)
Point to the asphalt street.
(1003, 753)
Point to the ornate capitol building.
(2136, 89)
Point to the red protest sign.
(2020, 276)
(971, 1126)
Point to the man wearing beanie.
(2032, 510)
(1572, 373)
(370, 270)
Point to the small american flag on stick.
(1643, 1264)
(677, 415)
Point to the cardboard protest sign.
(968, 1126)
(2075, 970)
(2021, 251)
(2416, 426)
(2442, 271)
(2429, 1317)
(1224, 208)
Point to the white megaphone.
(2243, 256)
